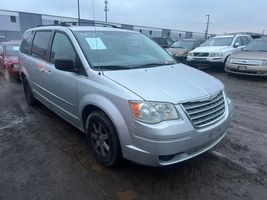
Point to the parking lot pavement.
(43, 157)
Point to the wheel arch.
(94, 102)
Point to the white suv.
(216, 50)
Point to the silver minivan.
(128, 95)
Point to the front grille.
(201, 54)
(246, 62)
(204, 112)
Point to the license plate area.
(242, 68)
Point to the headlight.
(229, 60)
(171, 53)
(217, 54)
(190, 54)
(153, 112)
(264, 63)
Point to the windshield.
(221, 41)
(12, 50)
(257, 45)
(183, 44)
(116, 50)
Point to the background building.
(13, 24)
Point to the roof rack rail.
(60, 24)
(70, 23)
(87, 22)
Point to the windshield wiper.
(152, 65)
(112, 67)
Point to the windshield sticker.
(96, 43)
(15, 48)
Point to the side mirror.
(65, 65)
(237, 44)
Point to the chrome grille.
(246, 62)
(204, 112)
(201, 54)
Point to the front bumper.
(246, 69)
(14, 72)
(205, 60)
(174, 141)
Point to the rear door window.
(26, 42)
(40, 44)
(245, 40)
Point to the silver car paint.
(67, 94)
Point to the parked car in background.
(9, 64)
(215, 51)
(127, 94)
(164, 42)
(251, 61)
(180, 48)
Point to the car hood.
(173, 83)
(250, 55)
(210, 49)
(178, 51)
(12, 59)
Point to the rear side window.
(245, 40)
(40, 44)
(26, 42)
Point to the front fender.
(113, 113)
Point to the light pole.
(79, 17)
(207, 29)
(106, 10)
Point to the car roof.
(230, 36)
(192, 39)
(261, 39)
(80, 28)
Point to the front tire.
(103, 139)
(31, 100)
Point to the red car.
(9, 63)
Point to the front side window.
(238, 40)
(220, 41)
(12, 50)
(114, 50)
(62, 48)
(40, 44)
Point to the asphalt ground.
(44, 157)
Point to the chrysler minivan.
(127, 94)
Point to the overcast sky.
(226, 15)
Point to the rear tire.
(31, 100)
(103, 139)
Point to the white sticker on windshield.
(15, 48)
(96, 43)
